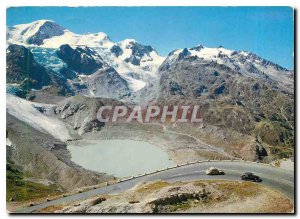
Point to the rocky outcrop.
(116, 50)
(138, 52)
(163, 204)
(82, 59)
(81, 112)
(83, 206)
(25, 77)
(106, 83)
(21, 68)
(261, 152)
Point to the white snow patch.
(90, 40)
(210, 53)
(8, 142)
(25, 111)
(135, 84)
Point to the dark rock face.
(47, 30)
(68, 73)
(133, 60)
(23, 69)
(255, 87)
(219, 90)
(92, 125)
(175, 88)
(82, 60)
(200, 90)
(260, 151)
(16, 91)
(108, 83)
(197, 48)
(116, 50)
(251, 68)
(138, 51)
(183, 54)
(216, 74)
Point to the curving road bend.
(279, 179)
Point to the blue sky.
(266, 31)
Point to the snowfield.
(28, 112)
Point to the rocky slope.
(24, 74)
(24, 70)
(246, 63)
(44, 157)
(81, 59)
(252, 102)
(38, 134)
(188, 197)
(80, 112)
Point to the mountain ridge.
(139, 65)
(247, 102)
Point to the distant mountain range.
(236, 90)
(58, 48)
(94, 65)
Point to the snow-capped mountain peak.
(247, 63)
(34, 33)
(127, 42)
(135, 62)
(135, 53)
(48, 34)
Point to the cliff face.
(23, 69)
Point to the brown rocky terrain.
(188, 197)
(44, 157)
